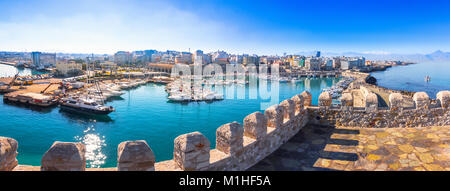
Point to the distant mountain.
(438, 56)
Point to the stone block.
(255, 126)
(8, 154)
(274, 116)
(191, 151)
(347, 101)
(395, 101)
(64, 156)
(230, 138)
(443, 98)
(371, 102)
(289, 109)
(325, 99)
(135, 156)
(299, 102)
(307, 97)
(422, 100)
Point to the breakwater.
(238, 147)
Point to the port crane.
(9, 85)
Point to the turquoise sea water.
(411, 77)
(141, 114)
(10, 71)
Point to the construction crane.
(43, 91)
(12, 81)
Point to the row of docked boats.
(93, 99)
(181, 91)
(90, 100)
(101, 92)
(336, 90)
(280, 79)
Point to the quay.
(309, 74)
(8, 63)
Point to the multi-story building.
(67, 68)
(312, 63)
(348, 63)
(36, 59)
(122, 58)
(219, 55)
(250, 59)
(236, 59)
(184, 58)
(317, 54)
(328, 64)
(43, 60)
(148, 55)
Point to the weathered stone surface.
(8, 153)
(371, 102)
(307, 97)
(422, 100)
(395, 101)
(191, 151)
(444, 98)
(229, 138)
(325, 99)
(274, 116)
(347, 100)
(255, 126)
(373, 149)
(288, 108)
(135, 156)
(299, 102)
(64, 156)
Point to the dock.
(40, 92)
(8, 63)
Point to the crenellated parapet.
(8, 153)
(443, 98)
(307, 97)
(239, 147)
(424, 113)
(325, 100)
(371, 102)
(395, 101)
(421, 100)
(64, 156)
(191, 152)
(135, 156)
(347, 101)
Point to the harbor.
(142, 112)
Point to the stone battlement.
(240, 146)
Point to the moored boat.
(86, 106)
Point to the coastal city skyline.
(263, 28)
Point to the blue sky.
(261, 27)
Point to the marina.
(141, 113)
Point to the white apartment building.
(65, 68)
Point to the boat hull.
(84, 110)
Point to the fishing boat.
(427, 78)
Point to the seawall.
(240, 146)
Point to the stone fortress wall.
(238, 147)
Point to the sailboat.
(87, 105)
